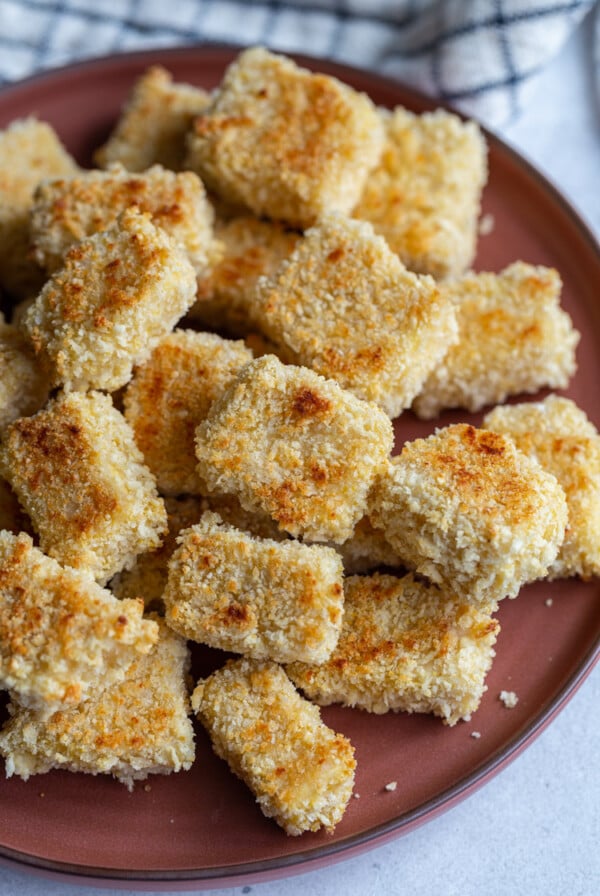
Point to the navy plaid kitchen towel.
(481, 55)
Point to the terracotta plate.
(202, 828)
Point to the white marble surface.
(535, 828)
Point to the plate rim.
(309, 859)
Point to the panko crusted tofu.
(424, 194)
(277, 600)
(251, 248)
(23, 387)
(62, 636)
(68, 210)
(404, 646)
(512, 337)
(471, 512)
(345, 306)
(292, 444)
(285, 143)
(171, 393)
(130, 730)
(154, 123)
(79, 475)
(120, 291)
(29, 152)
(300, 771)
(560, 437)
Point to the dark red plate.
(202, 828)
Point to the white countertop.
(535, 828)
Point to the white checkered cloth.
(480, 55)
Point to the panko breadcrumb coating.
(513, 337)
(154, 123)
(404, 646)
(278, 600)
(29, 152)
(292, 444)
(79, 475)
(285, 143)
(424, 194)
(470, 512)
(66, 211)
(171, 393)
(130, 730)
(300, 771)
(565, 443)
(345, 306)
(23, 386)
(250, 248)
(62, 636)
(119, 292)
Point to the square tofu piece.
(23, 386)
(68, 210)
(278, 600)
(345, 306)
(404, 646)
(154, 123)
(560, 437)
(251, 248)
(470, 512)
(79, 475)
(171, 394)
(512, 337)
(29, 152)
(130, 730)
(62, 636)
(424, 194)
(292, 444)
(300, 771)
(119, 292)
(285, 143)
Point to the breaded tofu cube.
(130, 730)
(292, 444)
(345, 306)
(62, 636)
(80, 477)
(119, 292)
(284, 142)
(147, 577)
(404, 646)
(66, 211)
(300, 771)
(171, 393)
(367, 549)
(277, 600)
(251, 248)
(513, 337)
(560, 437)
(29, 152)
(471, 512)
(154, 123)
(424, 195)
(23, 386)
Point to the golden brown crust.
(560, 437)
(79, 475)
(171, 394)
(307, 463)
(300, 771)
(134, 728)
(404, 646)
(62, 637)
(278, 600)
(468, 510)
(283, 142)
